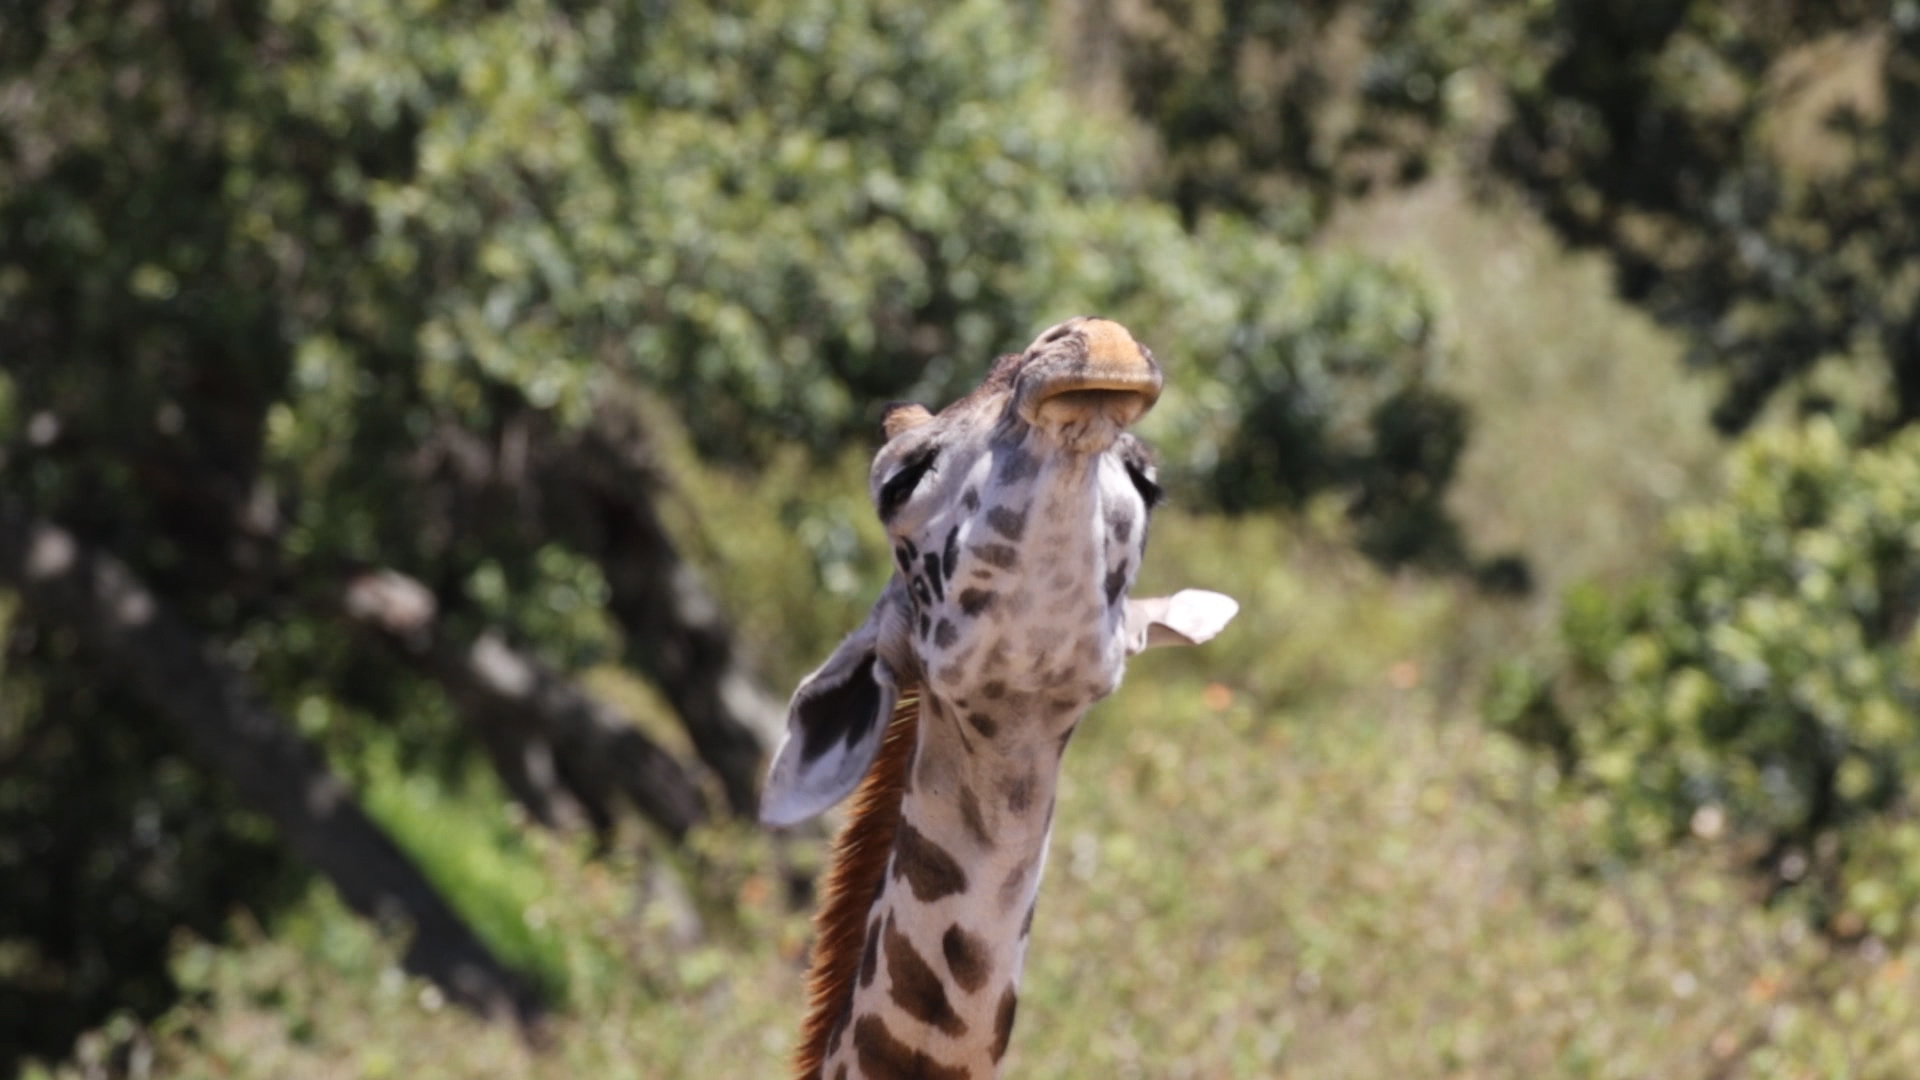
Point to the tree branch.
(564, 752)
(595, 490)
(598, 494)
(235, 734)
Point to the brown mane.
(852, 882)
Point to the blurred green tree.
(1745, 166)
(1277, 110)
(333, 340)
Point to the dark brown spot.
(994, 689)
(883, 1057)
(999, 555)
(926, 866)
(1016, 465)
(1116, 583)
(970, 499)
(1008, 523)
(966, 958)
(916, 987)
(841, 1072)
(900, 556)
(983, 724)
(1120, 521)
(935, 580)
(1090, 650)
(1002, 1024)
(926, 626)
(1020, 794)
(944, 635)
(970, 816)
(975, 601)
(839, 1029)
(913, 552)
(950, 555)
(871, 952)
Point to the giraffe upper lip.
(1145, 382)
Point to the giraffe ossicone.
(1018, 517)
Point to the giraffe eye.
(902, 483)
(1143, 482)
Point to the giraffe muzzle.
(1088, 369)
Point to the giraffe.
(1018, 519)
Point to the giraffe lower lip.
(1122, 406)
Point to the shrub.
(1766, 680)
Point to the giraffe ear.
(903, 416)
(1188, 617)
(835, 723)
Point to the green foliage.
(469, 850)
(1739, 163)
(778, 215)
(1286, 111)
(110, 842)
(847, 205)
(1768, 678)
(292, 289)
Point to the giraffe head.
(1018, 518)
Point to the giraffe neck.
(933, 986)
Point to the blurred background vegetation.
(433, 436)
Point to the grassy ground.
(1292, 853)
